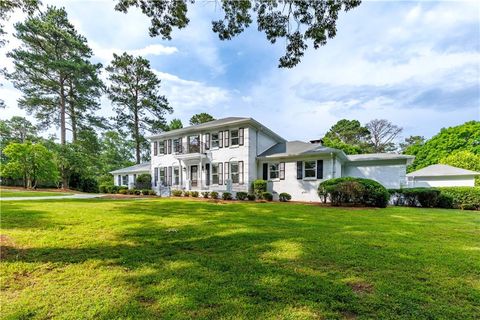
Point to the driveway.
(71, 196)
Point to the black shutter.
(207, 169)
(240, 136)
(265, 171)
(319, 169)
(169, 146)
(299, 170)
(165, 147)
(227, 171)
(282, 170)
(207, 141)
(155, 148)
(220, 173)
(240, 172)
(170, 175)
(226, 136)
(220, 139)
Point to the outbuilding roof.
(436, 170)
(138, 168)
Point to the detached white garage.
(442, 175)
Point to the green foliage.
(259, 187)
(466, 198)
(214, 195)
(354, 191)
(412, 144)
(349, 136)
(241, 195)
(465, 137)
(143, 181)
(177, 193)
(314, 21)
(251, 197)
(175, 124)
(123, 191)
(186, 193)
(104, 188)
(146, 192)
(31, 162)
(134, 92)
(267, 196)
(465, 160)
(194, 194)
(200, 118)
(227, 196)
(205, 194)
(284, 197)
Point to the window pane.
(214, 173)
(274, 172)
(234, 137)
(310, 169)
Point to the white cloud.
(106, 54)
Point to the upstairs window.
(161, 147)
(215, 140)
(234, 137)
(194, 144)
(177, 145)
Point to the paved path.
(70, 196)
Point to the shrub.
(103, 188)
(131, 191)
(241, 195)
(146, 192)
(445, 201)
(113, 189)
(137, 192)
(194, 194)
(123, 191)
(354, 191)
(284, 197)
(88, 185)
(214, 195)
(467, 198)
(251, 197)
(177, 193)
(186, 193)
(259, 187)
(143, 181)
(267, 196)
(205, 194)
(152, 192)
(227, 196)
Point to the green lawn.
(4, 193)
(181, 259)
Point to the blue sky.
(416, 64)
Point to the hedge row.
(228, 196)
(124, 190)
(466, 198)
(353, 191)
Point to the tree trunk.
(63, 130)
(73, 116)
(137, 138)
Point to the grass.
(182, 259)
(5, 193)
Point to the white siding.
(390, 175)
(445, 181)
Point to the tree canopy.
(298, 22)
(135, 93)
(465, 137)
(349, 136)
(382, 135)
(200, 118)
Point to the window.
(155, 148)
(125, 180)
(177, 145)
(274, 170)
(310, 169)
(235, 137)
(217, 173)
(194, 144)
(176, 176)
(215, 140)
(161, 147)
(155, 177)
(163, 179)
(234, 172)
(119, 180)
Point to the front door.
(194, 175)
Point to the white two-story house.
(229, 154)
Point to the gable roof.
(138, 168)
(298, 148)
(217, 124)
(436, 170)
(379, 156)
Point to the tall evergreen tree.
(52, 56)
(201, 118)
(134, 91)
